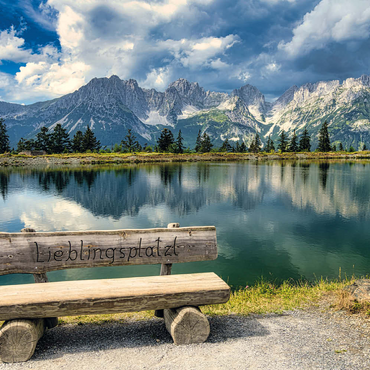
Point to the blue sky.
(51, 48)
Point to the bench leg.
(51, 322)
(186, 325)
(18, 339)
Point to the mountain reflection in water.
(276, 219)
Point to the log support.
(166, 268)
(18, 339)
(187, 325)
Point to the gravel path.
(308, 339)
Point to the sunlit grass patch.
(269, 297)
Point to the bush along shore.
(142, 157)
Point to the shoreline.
(15, 160)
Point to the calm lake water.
(276, 220)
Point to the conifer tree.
(43, 140)
(341, 149)
(29, 144)
(243, 147)
(198, 142)
(21, 145)
(179, 143)
(293, 145)
(59, 140)
(364, 147)
(89, 141)
(226, 147)
(324, 141)
(4, 138)
(206, 143)
(256, 144)
(270, 145)
(77, 142)
(334, 148)
(130, 144)
(165, 140)
(305, 142)
(283, 142)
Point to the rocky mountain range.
(110, 106)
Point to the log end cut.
(187, 325)
(18, 339)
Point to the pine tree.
(243, 147)
(334, 148)
(165, 140)
(4, 138)
(21, 145)
(29, 144)
(226, 147)
(305, 142)
(206, 143)
(43, 140)
(89, 141)
(179, 144)
(59, 140)
(77, 142)
(256, 144)
(341, 149)
(293, 145)
(283, 142)
(130, 144)
(324, 141)
(269, 145)
(364, 147)
(198, 142)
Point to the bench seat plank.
(85, 297)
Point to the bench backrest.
(38, 253)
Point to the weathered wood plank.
(18, 339)
(38, 253)
(186, 325)
(111, 295)
(39, 278)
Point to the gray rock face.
(360, 290)
(251, 96)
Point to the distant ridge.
(110, 106)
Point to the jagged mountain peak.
(287, 97)
(249, 94)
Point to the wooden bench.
(31, 308)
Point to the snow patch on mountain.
(188, 111)
(154, 118)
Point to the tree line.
(58, 141)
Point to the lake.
(276, 220)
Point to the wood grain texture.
(111, 295)
(36, 253)
(18, 339)
(39, 278)
(186, 325)
(50, 322)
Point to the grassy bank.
(117, 158)
(261, 298)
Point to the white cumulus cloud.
(330, 21)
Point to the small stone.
(360, 290)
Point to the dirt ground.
(301, 339)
